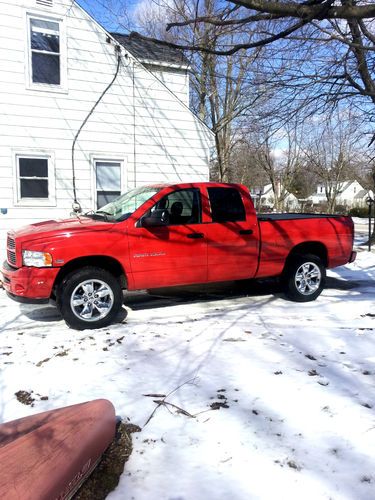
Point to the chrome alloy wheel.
(307, 278)
(92, 300)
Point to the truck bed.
(280, 233)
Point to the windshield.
(122, 207)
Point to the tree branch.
(235, 48)
(216, 21)
(362, 65)
(366, 32)
(294, 9)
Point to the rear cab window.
(226, 204)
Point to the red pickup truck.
(167, 235)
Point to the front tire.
(89, 298)
(304, 278)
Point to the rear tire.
(304, 278)
(89, 298)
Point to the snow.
(297, 380)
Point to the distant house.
(87, 114)
(265, 197)
(350, 194)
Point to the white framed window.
(107, 181)
(35, 179)
(46, 53)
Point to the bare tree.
(262, 157)
(304, 183)
(326, 48)
(331, 151)
(223, 88)
(279, 157)
(246, 169)
(265, 157)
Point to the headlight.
(36, 259)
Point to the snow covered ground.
(272, 399)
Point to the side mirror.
(156, 218)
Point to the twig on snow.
(164, 402)
(178, 408)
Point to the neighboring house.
(55, 64)
(265, 197)
(350, 194)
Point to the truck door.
(232, 234)
(171, 254)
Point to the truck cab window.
(183, 207)
(226, 205)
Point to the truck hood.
(52, 228)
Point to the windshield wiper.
(103, 212)
(99, 214)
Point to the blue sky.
(110, 13)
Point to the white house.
(350, 194)
(267, 197)
(85, 114)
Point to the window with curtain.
(108, 181)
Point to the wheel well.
(311, 247)
(107, 263)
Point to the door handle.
(195, 236)
(246, 231)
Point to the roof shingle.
(148, 50)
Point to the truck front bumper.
(28, 284)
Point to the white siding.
(139, 121)
(175, 79)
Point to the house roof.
(346, 184)
(361, 195)
(150, 51)
(268, 190)
(342, 185)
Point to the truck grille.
(11, 251)
(11, 244)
